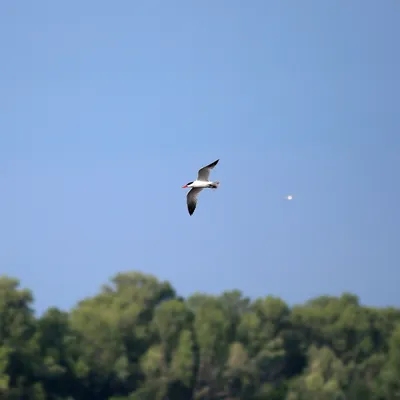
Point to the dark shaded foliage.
(137, 339)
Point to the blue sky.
(108, 108)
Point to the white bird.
(199, 184)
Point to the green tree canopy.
(137, 339)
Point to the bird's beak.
(184, 187)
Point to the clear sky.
(108, 108)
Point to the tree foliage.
(137, 339)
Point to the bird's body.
(203, 184)
(199, 184)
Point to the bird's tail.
(215, 184)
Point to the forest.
(137, 339)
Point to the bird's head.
(187, 185)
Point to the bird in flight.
(199, 184)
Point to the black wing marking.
(192, 199)
(204, 172)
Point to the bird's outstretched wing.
(192, 199)
(204, 172)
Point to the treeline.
(138, 340)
